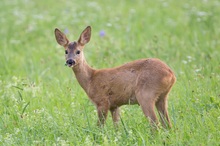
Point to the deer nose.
(70, 62)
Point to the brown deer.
(146, 82)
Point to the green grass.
(41, 102)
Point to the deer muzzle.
(70, 62)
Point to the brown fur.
(146, 82)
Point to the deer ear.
(61, 37)
(85, 36)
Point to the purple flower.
(102, 33)
(66, 31)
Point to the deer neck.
(83, 73)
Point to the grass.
(42, 103)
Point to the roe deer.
(146, 82)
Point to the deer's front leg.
(115, 115)
(102, 110)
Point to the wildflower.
(102, 33)
(66, 31)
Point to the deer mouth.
(70, 63)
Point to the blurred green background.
(41, 102)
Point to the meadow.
(41, 102)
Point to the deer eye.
(78, 52)
(66, 52)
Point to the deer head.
(73, 50)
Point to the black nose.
(70, 62)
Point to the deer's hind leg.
(162, 107)
(146, 100)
